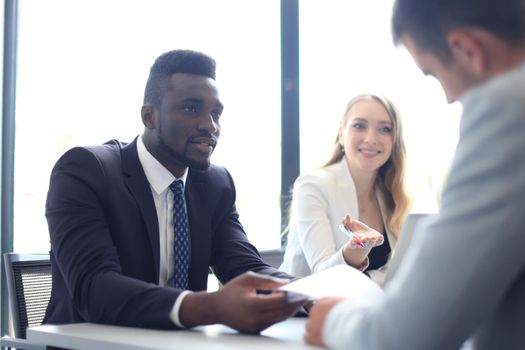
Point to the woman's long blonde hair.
(391, 175)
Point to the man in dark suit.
(114, 249)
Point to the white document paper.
(337, 281)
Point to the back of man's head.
(172, 62)
(427, 22)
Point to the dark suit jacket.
(105, 238)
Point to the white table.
(88, 336)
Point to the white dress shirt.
(160, 179)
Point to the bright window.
(83, 64)
(346, 49)
(82, 68)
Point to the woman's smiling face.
(367, 135)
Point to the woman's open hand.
(363, 239)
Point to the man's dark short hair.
(427, 22)
(172, 62)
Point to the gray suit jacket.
(464, 276)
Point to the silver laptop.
(405, 238)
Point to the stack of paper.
(337, 281)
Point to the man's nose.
(209, 124)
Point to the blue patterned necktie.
(181, 244)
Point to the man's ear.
(467, 51)
(148, 116)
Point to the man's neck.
(504, 57)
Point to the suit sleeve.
(86, 261)
(312, 224)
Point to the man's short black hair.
(172, 62)
(427, 22)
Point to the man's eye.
(216, 114)
(190, 109)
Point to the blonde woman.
(363, 179)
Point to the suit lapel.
(198, 212)
(138, 185)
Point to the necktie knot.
(177, 187)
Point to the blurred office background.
(81, 67)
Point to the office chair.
(29, 289)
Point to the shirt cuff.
(174, 313)
(340, 258)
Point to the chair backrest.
(29, 289)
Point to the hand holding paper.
(316, 320)
(328, 288)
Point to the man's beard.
(180, 157)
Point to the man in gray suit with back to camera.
(462, 283)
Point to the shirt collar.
(158, 176)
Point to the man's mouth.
(205, 141)
(204, 144)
